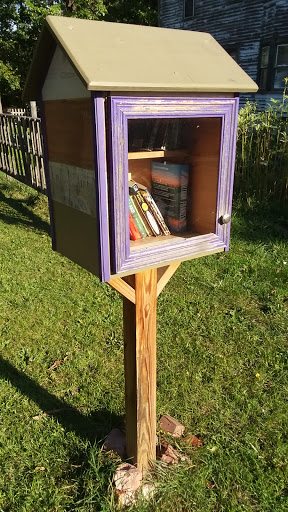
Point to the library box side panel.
(71, 177)
(62, 81)
(76, 236)
(69, 132)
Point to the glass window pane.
(282, 55)
(280, 74)
(188, 8)
(263, 79)
(265, 56)
(173, 171)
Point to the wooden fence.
(21, 150)
(17, 111)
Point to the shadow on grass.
(23, 215)
(260, 223)
(93, 428)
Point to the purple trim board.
(124, 108)
(232, 164)
(99, 142)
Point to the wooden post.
(140, 369)
(140, 293)
(33, 109)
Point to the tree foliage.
(142, 12)
(20, 25)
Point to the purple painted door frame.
(99, 138)
(120, 110)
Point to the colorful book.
(144, 208)
(134, 233)
(145, 224)
(154, 209)
(137, 218)
(169, 190)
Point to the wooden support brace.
(124, 288)
(126, 285)
(164, 274)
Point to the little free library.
(140, 130)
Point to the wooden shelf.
(138, 155)
(155, 241)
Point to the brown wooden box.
(98, 83)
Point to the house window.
(188, 8)
(281, 66)
(264, 63)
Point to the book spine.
(147, 214)
(134, 233)
(155, 211)
(137, 219)
(165, 134)
(142, 216)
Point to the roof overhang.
(120, 57)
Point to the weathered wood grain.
(240, 26)
(73, 186)
(124, 288)
(21, 148)
(140, 369)
(146, 301)
(212, 235)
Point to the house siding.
(243, 25)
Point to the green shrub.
(262, 151)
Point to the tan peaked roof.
(120, 57)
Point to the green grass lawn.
(222, 370)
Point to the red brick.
(172, 426)
(192, 441)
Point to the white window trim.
(279, 66)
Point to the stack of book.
(155, 134)
(145, 218)
(169, 189)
